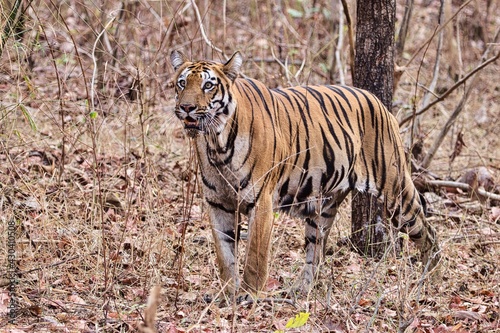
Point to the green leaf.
(298, 321)
(93, 115)
(28, 117)
(295, 13)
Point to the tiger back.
(300, 150)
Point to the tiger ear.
(177, 58)
(233, 65)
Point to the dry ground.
(97, 176)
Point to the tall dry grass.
(100, 179)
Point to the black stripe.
(416, 236)
(249, 207)
(267, 109)
(382, 177)
(304, 100)
(319, 97)
(306, 190)
(367, 95)
(207, 183)
(220, 206)
(286, 203)
(310, 239)
(262, 98)
(361, 122)
(284, 188)
(329, 158)
(409, 203)
(339, 92)
(228, 236)
(348, 146)
(310, 222)
(245, 180)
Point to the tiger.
(300, 150)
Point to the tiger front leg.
(223, 223)
(258, 248)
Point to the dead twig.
(338, 49)
(463, 186)
(403, 30)
(435, 74)
(51, 266)
(350, 33)
(451, 89)
(424, 45)
(451, 120)
(269, 300)
(202, 29)
(9, 26)
(444, 131)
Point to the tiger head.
(203, 99)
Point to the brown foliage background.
(99, 179)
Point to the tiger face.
(203, 99)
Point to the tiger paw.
(430, 252)
(431, 257)
(304, 283)
(245, 298)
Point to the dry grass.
(105, 199)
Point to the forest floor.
(99, 195)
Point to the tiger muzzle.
(187, 114)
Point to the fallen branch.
(49, 266)
(269, 300)
(493, 237)
(463, 186)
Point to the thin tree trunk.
(374, 71)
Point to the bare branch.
(350, 34)
(451, 89)
(403, 30)
(435, 74)
(436, 32)
(437, 142)
(9, 26)
(340, 42)
(94, 60)
(202, 29)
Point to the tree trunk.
(373, 71)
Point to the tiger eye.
(208, 85)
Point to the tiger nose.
(187, 107)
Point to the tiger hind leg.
(317, 229)
(425, 239)
(420, 232)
